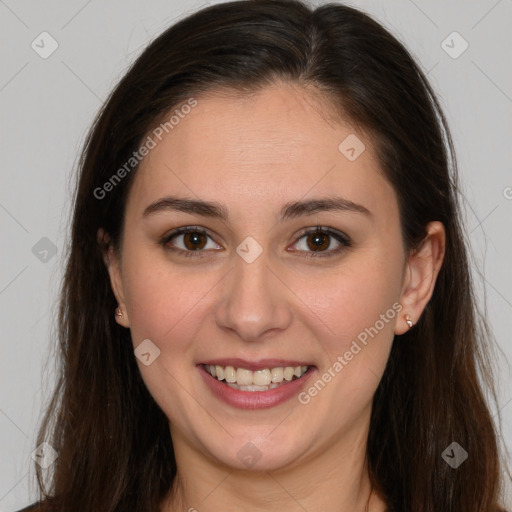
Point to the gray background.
(48, 104)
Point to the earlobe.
(121, 318)
(422, 269)
(113, 267)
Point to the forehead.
(277, 144)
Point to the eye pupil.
(195, 238)
(320, 241)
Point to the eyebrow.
(290, 210)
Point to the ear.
(421, 271)
(113, 265)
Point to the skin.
(253, 154)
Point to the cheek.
(157, 297)
(360, 308)
(164, 305)
(357, 297)
(167, 304)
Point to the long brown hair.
(114, 446)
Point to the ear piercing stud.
(408, 321)
(119, 313)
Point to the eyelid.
(341, 237)
(326, 230)
(183, 231)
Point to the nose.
(255, 301)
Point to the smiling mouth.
(258, 380)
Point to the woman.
(267, 303)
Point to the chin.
(261, 451)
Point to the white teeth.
(247, 380)
(277, 374)
(219, 372)
(288, 373)
(261, 377)
(251, 387)
(230, 374)
(243, 377)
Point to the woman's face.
(262, 289)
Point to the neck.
(333, 479)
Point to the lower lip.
(254, 399)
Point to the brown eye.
(194, 240)
(189, 241)
(318, 241)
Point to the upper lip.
(255, 365)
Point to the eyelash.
(340, 237)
